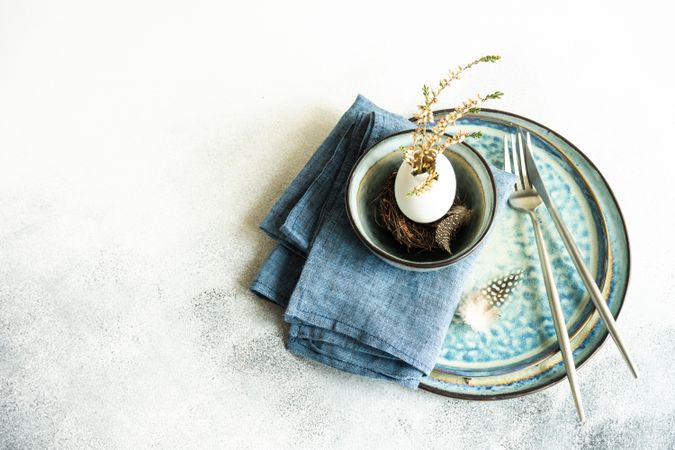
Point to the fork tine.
(523, 166)
(507, 160)
(516, 169)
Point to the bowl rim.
(416, 265)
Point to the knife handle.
(592, 287)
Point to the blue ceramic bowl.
(475, 186)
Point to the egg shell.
(432, 204)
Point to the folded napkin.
(347, 308)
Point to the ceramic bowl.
(475, 186)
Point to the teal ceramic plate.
(519, 353)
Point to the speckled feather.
(500, 288)
(450, 225)
(481, 308)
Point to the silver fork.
(525, 198)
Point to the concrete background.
(141, 142)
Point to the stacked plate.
(519, 353)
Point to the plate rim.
(603, 339)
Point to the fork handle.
(592, 287)
(558, 317)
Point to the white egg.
(432, 204)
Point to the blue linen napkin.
(346, 307)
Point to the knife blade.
(588, 280)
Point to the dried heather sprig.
(427, 142)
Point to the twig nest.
(415, 235)
(434, 202)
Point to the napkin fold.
(346, 307)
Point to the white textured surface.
(142, 142)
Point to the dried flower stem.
(422, 154)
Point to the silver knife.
(589, 281)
